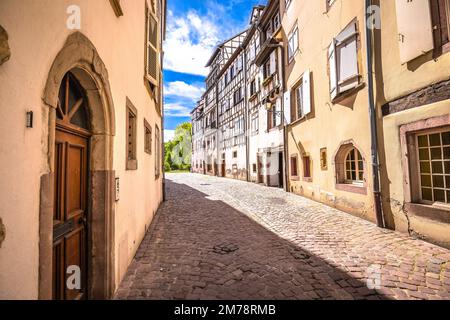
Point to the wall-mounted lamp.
(30, 119)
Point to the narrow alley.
(217, 238)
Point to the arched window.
(349, 164)
(354, 167)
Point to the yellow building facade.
(326, 104)
(327, 109)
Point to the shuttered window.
(343, 61)
(301, 98)
(152, 54)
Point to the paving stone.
(255, 242)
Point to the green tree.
(178, 151)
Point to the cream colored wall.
(37, 31)
(332, 123)
(391, 128)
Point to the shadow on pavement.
(199, 248)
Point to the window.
(254, 168)
(152, 56)
(343, 61)
(323, 159)
(253, 87)
(300, 100)
(433, 151)
(235, 154)
(131, 136)
(255, 123)
(147, 137)
(306, 167)
(293, 43)
(267, 69)
(294, 169)
(238, 96)
(354, 167)
(158, 152)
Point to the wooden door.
(260, 170)
(71, 201)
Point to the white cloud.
(169, 135)
(190, 41)
(176, 110)
(183, 89)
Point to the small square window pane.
(446, 138)
(424, 154)
(435, 139)
(425, 167)
(427, 194)
(448, 196)
(438, 181)
(423, 141)
(447, 153)
(447, 167)
(354, 175)
(447, 182)
(437, 167)
(361, 176)
(439, 195)
(436, 153)
(426, 181)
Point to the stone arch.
(339, 158)
(80, 57)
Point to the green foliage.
(178, 151)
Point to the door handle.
(82, 220)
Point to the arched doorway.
(70, 218)
(77, 192)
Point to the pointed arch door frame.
(79, 57)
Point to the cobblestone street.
(216, 238)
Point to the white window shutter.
(415, 28)
(306, 92)
(287, 107)
(347, 56)
(332, 67)
(273, 62)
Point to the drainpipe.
(373, 121)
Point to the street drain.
(225, 248)
(205, 184)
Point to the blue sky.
(194, 28)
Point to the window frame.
(293, 33)
(131, 162)
(419, 174)
(293, 160)
(356, 160)
(147, 137)
(307, 168)
(149, 13)
(158, 162)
